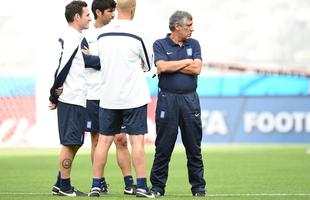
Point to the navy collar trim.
(172, 43)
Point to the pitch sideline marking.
(210, 195)
(259, 194)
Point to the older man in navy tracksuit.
(178, 59)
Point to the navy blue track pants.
(175, 111)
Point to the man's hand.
(52, 106)
(85, 51)
(142, 63)
(59, 90)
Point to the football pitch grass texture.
(231, 171)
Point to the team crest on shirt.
(189, 51)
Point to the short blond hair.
(125, 4)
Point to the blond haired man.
(121, 50)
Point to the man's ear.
(77, 17)
(177, 26)
(98, 12)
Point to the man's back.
(121, 52)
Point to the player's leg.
(191, 131)
(66, 158)
(122, 154)
(94, 141)
(166, 134)
(124, 162)
(138, 155)
(71, 120)
(135, 121)
(92, 124)
(110, 124)
(92, 127)
(100, 160)
(104, 189)
(139, 163)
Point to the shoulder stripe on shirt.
(62, 75)
(132, 36)
(62, 47)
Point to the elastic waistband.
(177, 91)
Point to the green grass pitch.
(232, 172)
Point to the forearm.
(172, 66)
(193, 69)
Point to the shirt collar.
(172, 43)
(75, 33)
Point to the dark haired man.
(71, 102)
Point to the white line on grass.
(210, 195)
(23, 193)
(258, 194)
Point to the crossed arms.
(186, 66)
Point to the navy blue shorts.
(71, 123)
(131, 121)
(92, 116)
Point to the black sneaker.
(144, 192)
(94, 192)
(200, 194)
(131, 190)
(104, 189)
(72, 193)
(55, 190)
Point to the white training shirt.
(120, 49)
(74, 87)
(93, 76)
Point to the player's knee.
(120, 141)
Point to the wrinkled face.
(106, 16)
(84, 19)
(185, 31)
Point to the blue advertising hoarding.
(256, 119)
(253, 108)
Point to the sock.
(141, 183)
(65, 184)
(128, 180)
(57, 184)
(103, 183)
(97, 182)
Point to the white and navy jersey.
(93, 76)
(121, 51)
(74, 86)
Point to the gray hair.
(179, 17)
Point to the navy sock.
(57, 184)
(141, 183)
(65, 184)
(128, 180)
(103, 183)
(97, 182)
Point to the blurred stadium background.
(266, 100)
